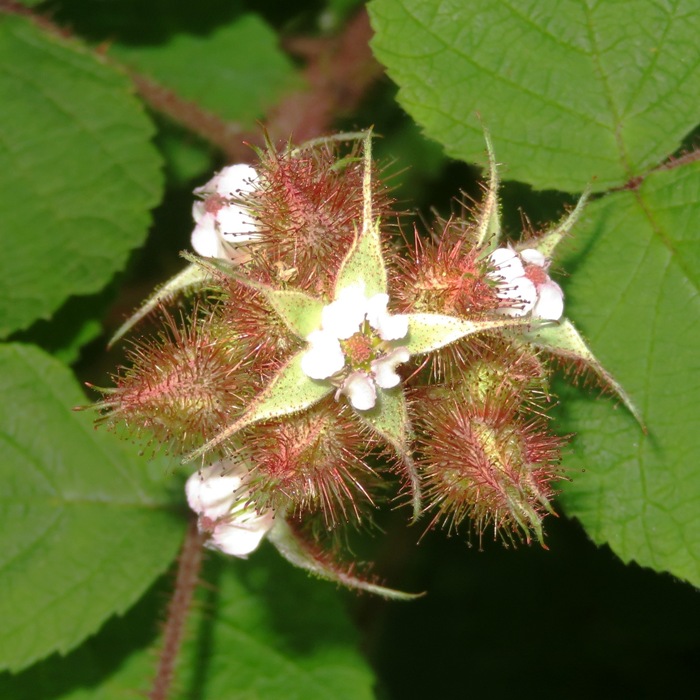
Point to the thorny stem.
(188, 568)
(338, 73)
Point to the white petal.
(325, 356)
(393, 327)
(208, 188)
(376, 309)
(241, 536)
(199, 210)
(384, 369)
(507, 264)
(205, 238)
(550, 302)
(533, 257)
(343, 317)
(235, 222)
(360, 390)
(212, 492)
(521, 294)
(389, 327)
(235, 180)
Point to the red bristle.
(182, 387)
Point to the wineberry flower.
(523, 282)
(482, 450)
(219, 216)
(221, 499)
(357, 331)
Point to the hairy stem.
(188, 569)
(338, 73)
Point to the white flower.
(523, 281)
(368, 327)
(219, 497)
(219, 217)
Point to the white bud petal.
(240, 535)
(507, 264)
(325, 356)
(384, 369)
(550, 302)
(360, 390)
(521, 295)
(235, 223)
(533, 257)
(205, 238)
(211, 492)
(234, 180)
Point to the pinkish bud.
(486, 463)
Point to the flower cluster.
(318, 351)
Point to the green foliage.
(574, 93)
(261, 630)
(76, 504)
(634, 290)
(77, 172)
(278, 635)
(238, 59)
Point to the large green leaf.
(261, 631)
(278, 634)
(571, 90)
(236, 70)
(115, 664)
(87, 524)
(77, 172)
(634, 291)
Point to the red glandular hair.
(488, 460)
(309, 210)
(316, 460)
(183, 386)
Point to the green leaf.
(635, 296)
(75, 324)
(578, 92)
(236, 70)
(260, 629)
(116, 663)
(78, 173)
(87, 525)
(290, 391)
(278, 634)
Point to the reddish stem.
(188, 570)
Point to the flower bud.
(183, 386)
(483, 461)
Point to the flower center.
(536, 274)
(213, 203)
(359, 349)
